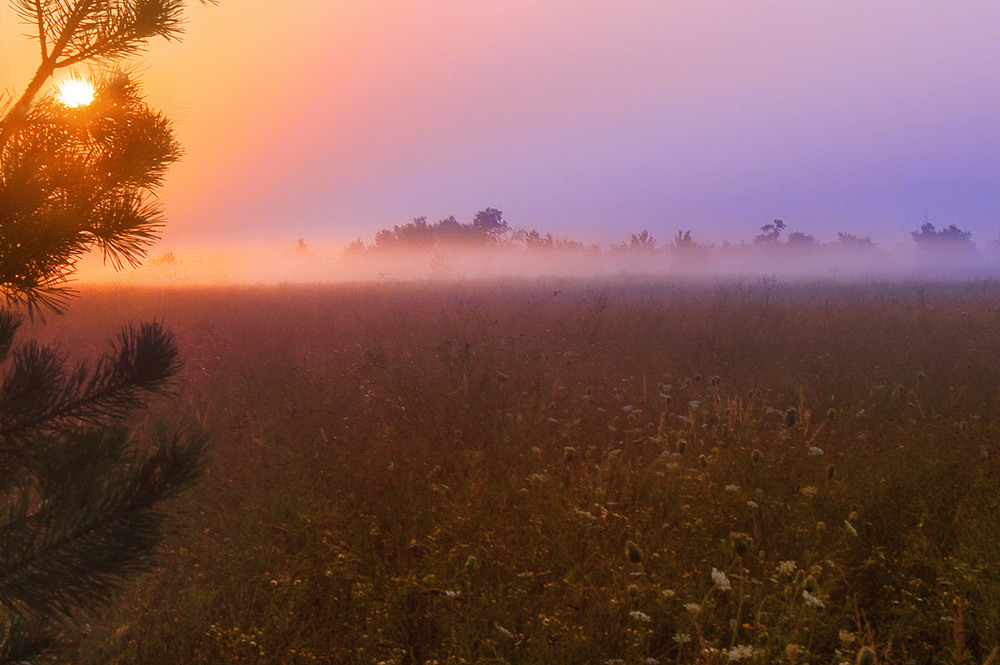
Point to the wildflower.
(651, 661)
(740, 652)
(720, 580)
(693, 608)
(632, 552)
(811, 600)
(732, 488)
(503, 631)
(815, 450)
(786, 568)
(793, 651)
(668, 593)
(681, 638)
(752, 504)
(809, 491)
(640, 616)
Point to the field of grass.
(573, 472)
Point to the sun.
(75, 92)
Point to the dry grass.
(575, 472)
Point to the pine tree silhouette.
(80, 489)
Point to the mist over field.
(270, 264)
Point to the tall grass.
(575, 472)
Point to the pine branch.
(10, 323)
(66, 556)
(26, 642)
(142, 361)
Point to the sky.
(331, 119)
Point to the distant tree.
(533, 240)
(450, 230)
(414, 234)
(641, 241)
(355, 248)
(80, 495)
(951, 237)
(385, 239)
(683, 241)
(301, 246)
(490, 224)
(853, 241)
(799, 240)
(770, 233)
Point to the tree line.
(488, 228)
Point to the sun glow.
(76, 92)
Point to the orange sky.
(330, 119)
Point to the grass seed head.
(866, 656)
(632, 552)
(740, 542)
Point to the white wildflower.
(640, 616)
(812, 600)
(809, 491)
(682, 638)
(503, 631)
(693, 608)
(814, 450)
(786, 568)
(720, 580)
(651, 661)
(668, 593)
(732, 488)
(740, 652)
(752, 504)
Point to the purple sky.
(330, 119)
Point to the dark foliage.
(80, 489)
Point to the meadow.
(613, 471)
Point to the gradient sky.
(331, 119)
